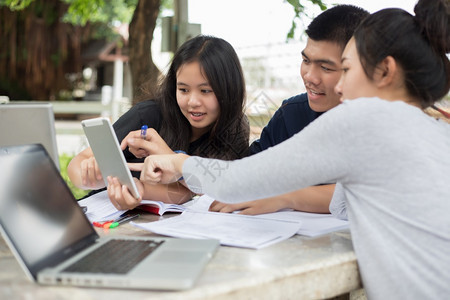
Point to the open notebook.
(29, 123)
(53, 240)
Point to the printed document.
(231, 229)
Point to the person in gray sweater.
(390, 159)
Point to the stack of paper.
(312, 224)
(233, 229)
(99, 208)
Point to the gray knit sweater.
(392, 163)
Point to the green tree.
(37, 49)
(42, 41)
(300, 10)
(143, 70)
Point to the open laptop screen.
(38, 212)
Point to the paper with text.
(231, 229)
(101, 209)
(312, 224)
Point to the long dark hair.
(418, 43)
(229, 136)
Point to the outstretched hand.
(163, 169)
(255, 207)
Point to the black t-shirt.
(144, 113)
(147, 113)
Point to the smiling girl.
(199, 110)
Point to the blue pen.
(144, 132)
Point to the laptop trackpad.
(173, 264)
(179, 257)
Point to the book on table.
(100, 208)
(160, 208)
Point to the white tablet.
(103, 142)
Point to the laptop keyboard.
(116, 256)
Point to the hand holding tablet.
(105, 146)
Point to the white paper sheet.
(99, 208)
(231, 229)
(312, 224)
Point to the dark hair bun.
(433, 19)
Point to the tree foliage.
(300, 10)
(15, 4)
(97, 11)
(38, 50)
(42, 41)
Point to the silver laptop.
(29, 123)
(55, 244)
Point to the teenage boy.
(320, 70)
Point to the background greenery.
(43, 42)
(64, 160)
